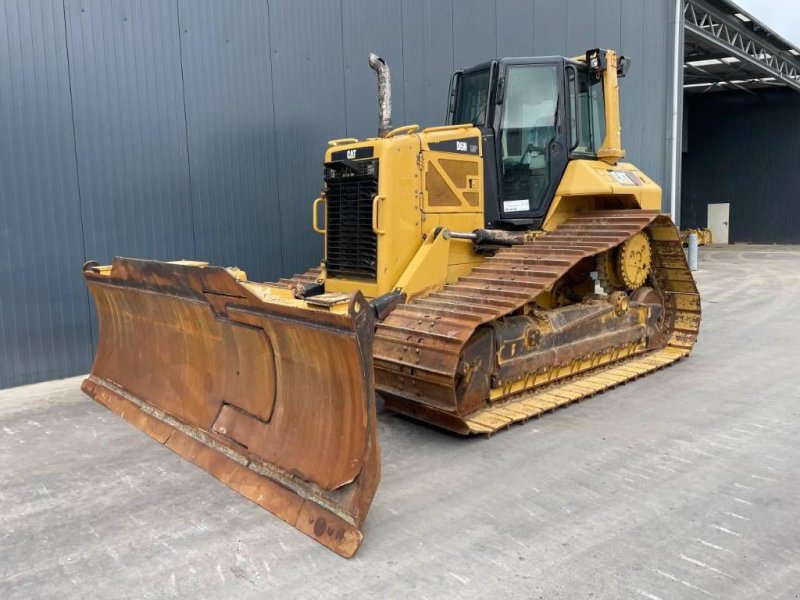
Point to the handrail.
(342, 141)
(402, 130)
(448, 127)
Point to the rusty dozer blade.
(272, 397)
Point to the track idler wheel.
(651, 296)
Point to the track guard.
(273, 398)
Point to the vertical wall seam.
(275, 141)
(344, 66)
(186, 131)
(403, 58)
(673, 125)
(452, 36)
(496, 33)
(77, 173)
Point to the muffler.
(384, 93)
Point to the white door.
(718, 222)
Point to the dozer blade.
(272, 397)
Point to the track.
(418, 347)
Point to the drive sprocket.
(634, 259)
(627, 266)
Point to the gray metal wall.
(195, 128)
(743, 149)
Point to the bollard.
(693, 251)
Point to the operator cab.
(529, 131)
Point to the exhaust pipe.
(384, 93)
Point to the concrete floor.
(684, 484)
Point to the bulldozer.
(705, 237)
(475, 275)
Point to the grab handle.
(375, 204)
(314, 211)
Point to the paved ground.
(682, 485)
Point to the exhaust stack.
(384, 93)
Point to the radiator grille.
(352, 246)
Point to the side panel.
(130, 129)
(368, 30)
(452, 172)
(427, 59)
(645, 93)
(227, 76)
(743, 150)
(596, 185)
(427, 180)
(631, 88)
(395, 211)
(608, 25)
(550, 28)
(656, 122)
(309, 101)
(581, 25)
(44, 319)
(474, 34)
(515, 28)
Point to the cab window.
(587, 111)
(527, 130)
(473, 94)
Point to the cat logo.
(351, 154)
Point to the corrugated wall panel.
(550, 28)
(427, 59)
(44, 317)
(514, 29)
(673, 147)
(581, 26)
(743, 150)
(633, 107)
(200, 127)
(308, 88)
(367, 30)
(130, 128)
(608, 25)
(474, 32)
(231, 135)
(655, 75)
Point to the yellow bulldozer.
(476, 274)
(705, 237)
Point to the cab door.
(530, 138)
